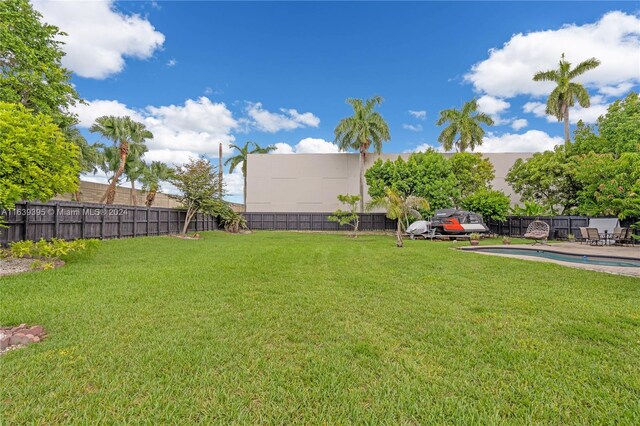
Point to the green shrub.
(54, 249)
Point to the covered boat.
(456, 222)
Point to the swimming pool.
(564, 257)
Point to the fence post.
(56, 220)
(82, 219)
(104, 218)
(148, 222)
(135, 223)
(119, 225)
(25, 222)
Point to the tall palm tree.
(566, 91)
(153, 175)
(465, 127)
(123, 132)
(401, 208)
(363, 129)
(241, 157)
(134, 168)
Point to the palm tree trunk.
(567, 136)
(110, 195)
(362, 158)
(151, 196)
(78, 196)
(132, 192)
(399, 242)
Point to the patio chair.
(538, 231)
(618, 235)
(584, 237)
(627, 237)
(593, 237)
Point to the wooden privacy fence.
(315, 222)
(71, 220)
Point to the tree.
(31, 73)
(123, 132)
(616, 132)
(365, 128)
(473, 171)
(198, 183)
(38, 162)
(465, 127)
(152, 176)
(566, 92)
(241, 157)
(490, 204)
(401, 208)
(348, 217)
(547, 178)
(134, 168)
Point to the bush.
(229, 219)
(54, 249)
(489, 203)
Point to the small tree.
(37, 160)
(198, 183)
(348, 217)
(490, 204)
(400, 208)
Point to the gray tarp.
(418, 227)
(604, 224)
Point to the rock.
(36, 330)
(19, 339)
(32, 338)
(4, 342)
(18, 328)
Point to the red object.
(452, 225)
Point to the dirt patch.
(11, 266)
(187, 236)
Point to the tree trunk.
(151, 196)
(132, 193)
(110, 194)
(187, 220)
(78, 196)
(399, 242)
(567, 135)
(362, 158)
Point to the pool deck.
(577, 248)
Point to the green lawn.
(318, 328)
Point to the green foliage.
(229, 219)
(348, 217)
(38, 162)
(547, 178)
(473, 171)
(198, 183)
(430, 175)
(400, 207)
(365, 128)
(152, 177)
(464, 131)
(31, 73)
(474, 236)
(617, 131)
(241, 158)
(54, 249)
(489, 203)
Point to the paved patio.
(577, 248)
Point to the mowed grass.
(279, 328)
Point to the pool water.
(565, 257)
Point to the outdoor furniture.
(538, 231)
(584, 236)
(618, 235)
(626, 237)
(593, 237)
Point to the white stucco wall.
(311, 182)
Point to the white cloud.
(172, 63)
(99, 36)
(174, 157)
(614, 40)
(616, 90)
(519, 123)
(420, 115)
(234, 182)
(530, 141)
(588, 115)
(307, 146)
(287, 119)
(493, 106)
(423, 147)
(412, 127)
(196, 127)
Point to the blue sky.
(279, 72)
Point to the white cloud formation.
(195, 128)
(614, 40)
(420, 115)
(172, 63)
(413, 127)
(530, 141)
(307, 146)
(99, 36)
(287, 119)
(234, 182)
(423, 147)
(174, 157)
(492, 106)
(616, 90)
(519, 123)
